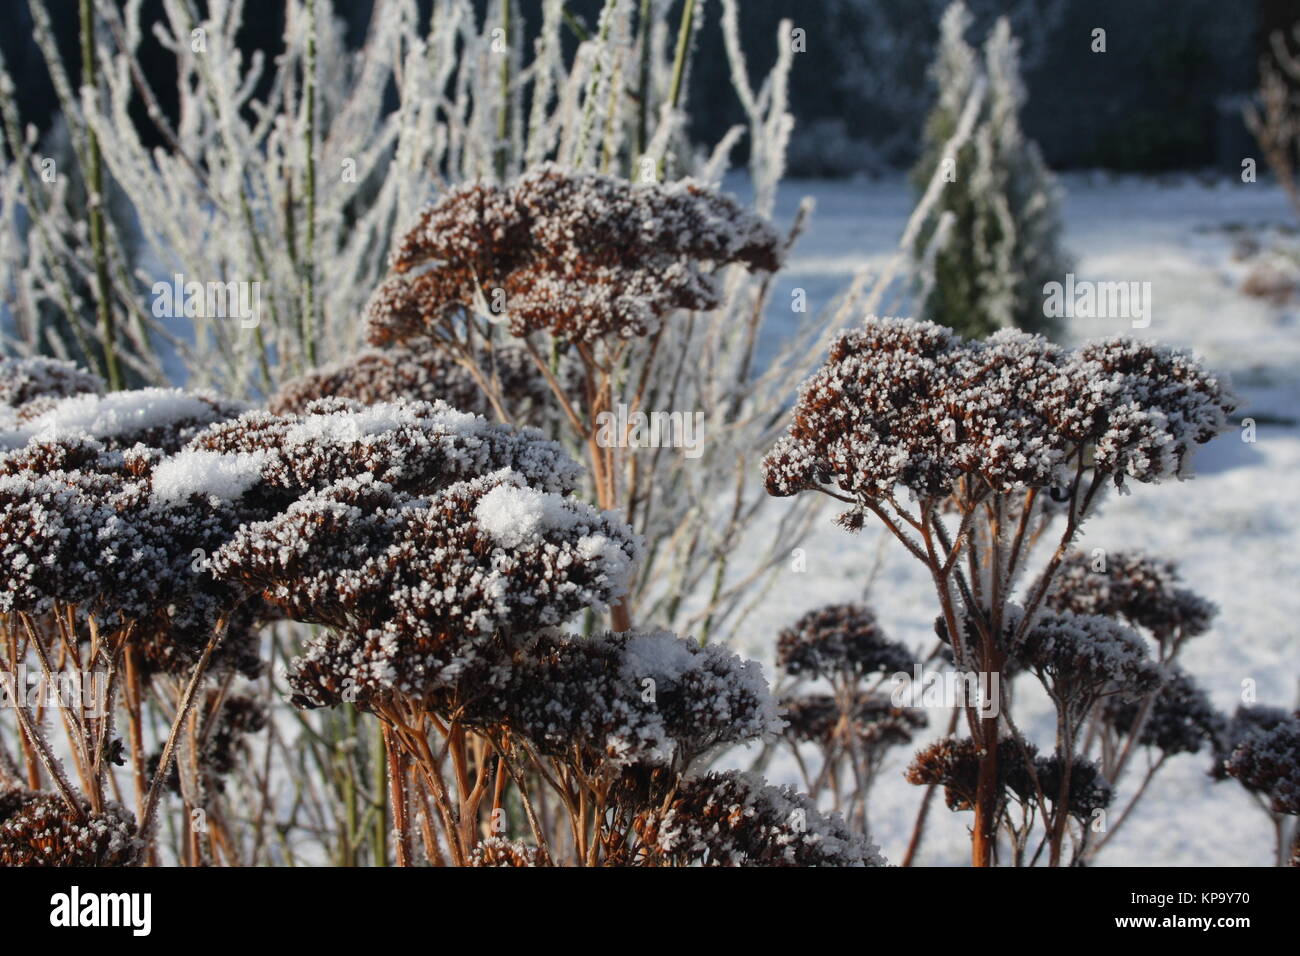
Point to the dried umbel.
(954, 765)
(160, 418)
(903, 403)
(1089, 789)
(873, 722)
(737, 819)
(1081, 658)
(99, 538)
(1244, 726)
(1142, 590)
(646, 698)
(410, 446)
(840, 639)
(39, 829)
(1181, 717)
(413, 587)
(26, 380)
(578, 254)
(423, 373)
(1267, 762)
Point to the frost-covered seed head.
(37, 829)
(25, 380)
(421, 373)
(579, 254)
(1134, 587)
(1181, 719)
(840, 639)
(908, 404)
(738, 819)
(1268, 762)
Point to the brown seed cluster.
(579, 254)
(954, 765)
(414, 588)
(424, 373)
(1133, 587)
(1267, 762)
(736, 819)
(904, 403)
(840, 639)
(873, 721)
(1181, 719)
(38, 829)
(81, 527)
(647, 698)
(1081, 658)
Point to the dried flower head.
(1142, 408)
(413, 587)
(26, 380)
(1081, 658)
(579, 254)
(97, 530)
(410, 446)
(1268, 762)
(423, 373)
(639, 697)
(161, 418)
(1181, 719)
(904, 403)
(1246, 724)
(873, 722)
(954, 765)
(38, 829)
(738, 819)
(1133, 587)
(840, 639)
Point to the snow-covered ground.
(1235, 528)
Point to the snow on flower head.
(82, 528)
(206, 473)
(410, 445)
(580, 254)
(644, 698)
(413, 585)
(163, 418)
(27, 380)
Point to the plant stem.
(95, 208)
(309, 264)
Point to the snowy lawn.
(1234, 529)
